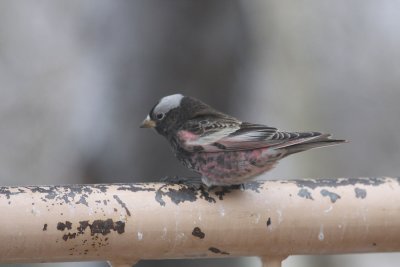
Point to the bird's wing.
(215, 135)
(204, 133)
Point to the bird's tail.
(313, 142)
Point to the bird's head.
(172, 111)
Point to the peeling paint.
(123, 205)
(198, 233)
(184, 193)
(190, 193)
(360, 193)
(181, 195)
(177, 196)
(314, 183)
(332, 196)
(204, 194)
(62, 226)
(6, 191)
(69, 194)
(253, 186)
(218, 251)
(134, 188)
(222, 191)
(77, 194)
(103, 227)
(82, 200)
(82, 226)
(65, 193)
(68, 236)
(303, 192)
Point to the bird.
(222, 149)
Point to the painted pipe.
(124, 223)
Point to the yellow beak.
(148, 123)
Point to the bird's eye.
(160, 116)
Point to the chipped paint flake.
(198, 233)
(321, 235)
(314, 183)
(123, 205)
(139, 236)
(332, 196)
(218, 251)
(360, 193)
(303, 192)
(329, 209)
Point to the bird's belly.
(233, 167)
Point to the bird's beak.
(148, 123)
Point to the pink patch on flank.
(255, 153)
(187, 136)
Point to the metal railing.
(125, 223)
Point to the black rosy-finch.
(223, 149)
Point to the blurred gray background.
(78, 77)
